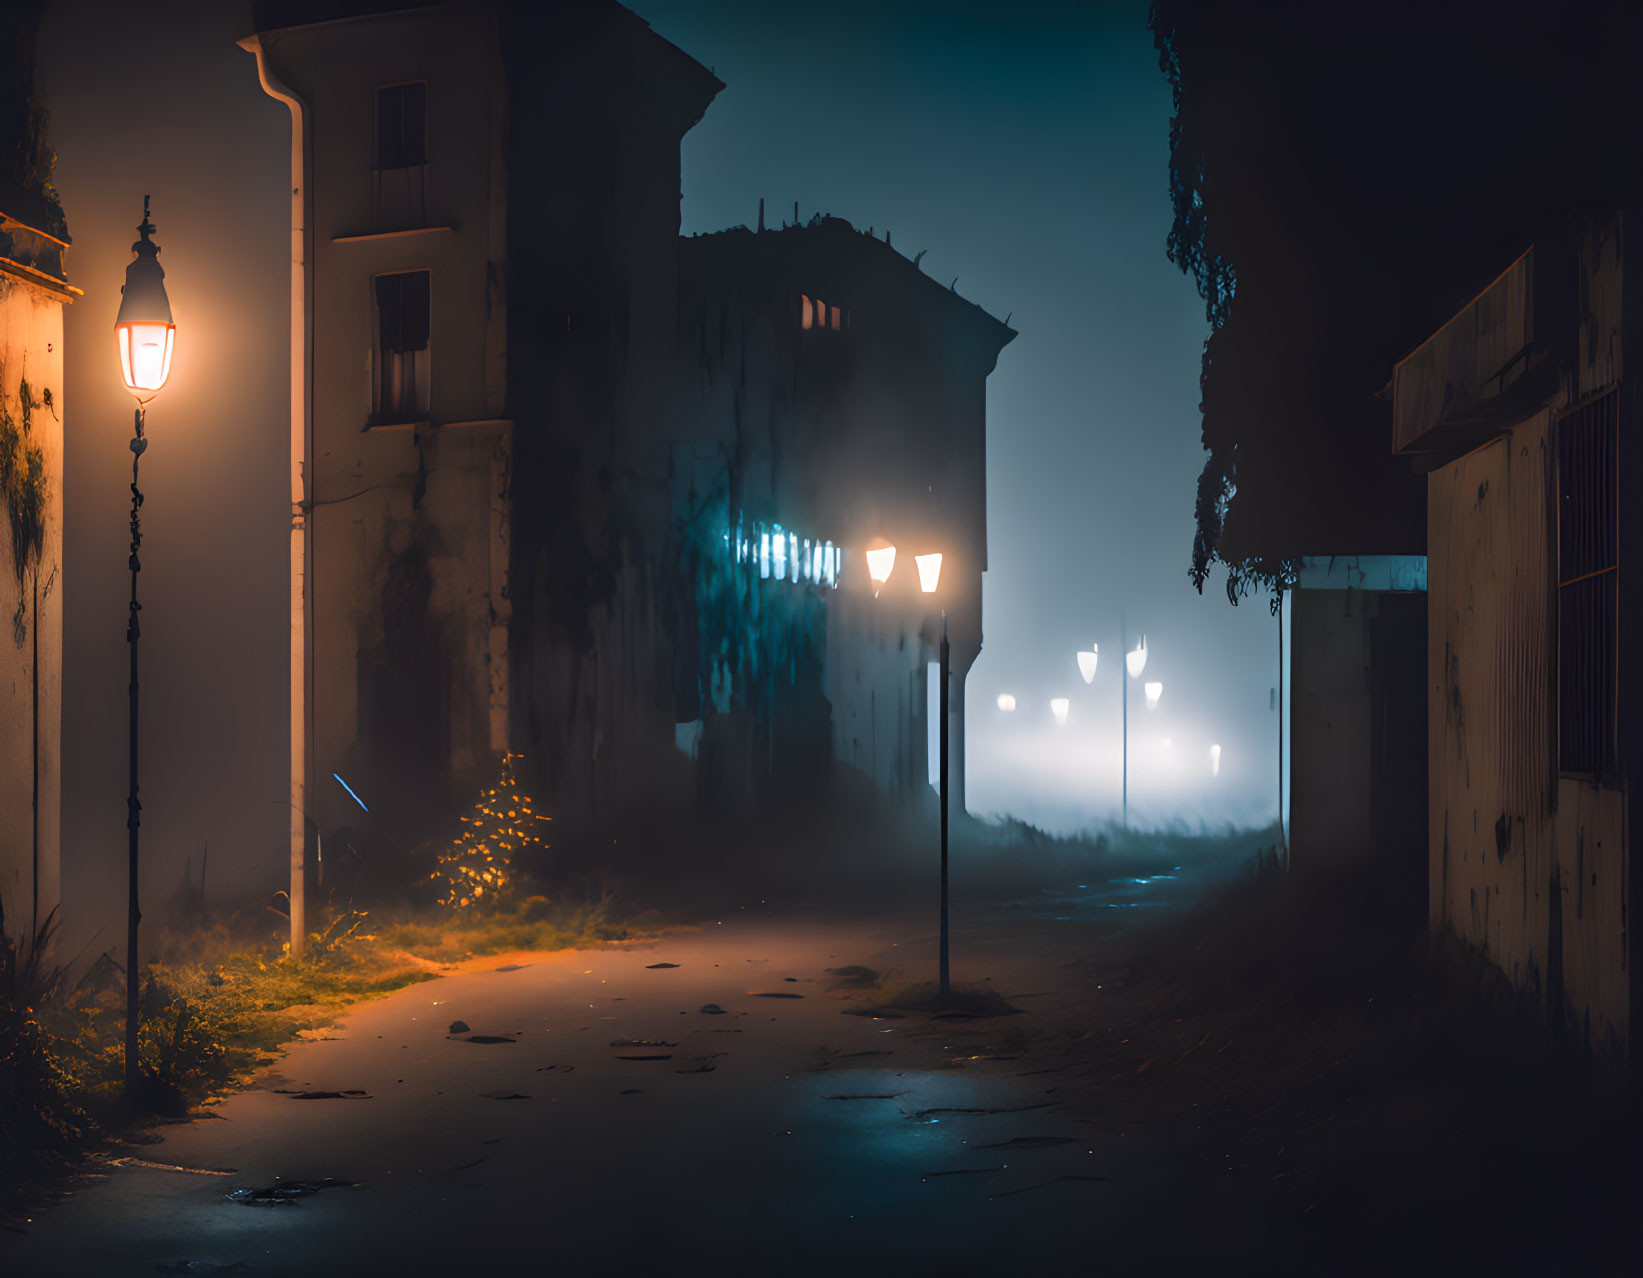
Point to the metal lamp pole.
(1124, 678)
(145, 332)
(133, 807)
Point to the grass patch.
(537, 923)
(216, 1006)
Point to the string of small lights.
(477, 869)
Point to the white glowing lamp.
(1006, 702)
(1059, 707)
(144, 329)
(929, 572)
(1154, 690)
(879, 564)
(1215, 761)
(1136, 661)
(1086, 662)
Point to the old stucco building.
(1519, 411)
(535, 435)
(33, 292)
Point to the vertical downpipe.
(301, 417)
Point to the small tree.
(477, 869)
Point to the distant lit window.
(402, 319)
(817, 314)
(399, 185)
(782, 555)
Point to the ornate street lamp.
(1086, 662)
(1059, 707)
(145, 332)
(1154, 690)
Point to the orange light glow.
(804, 310)
(145, 355)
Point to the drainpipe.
(301, 424)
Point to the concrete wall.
(1357, 729)
(409, 527)
(31, 616)
(1529, 866)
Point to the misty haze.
(744, 637)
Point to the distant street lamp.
(144, 332)
(1086, 662)
(1215, 761)
(1135, 661)
(1059, 707)
(1154, 690)
(879, 563)
(1006, 702)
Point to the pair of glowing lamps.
(1135, 662)
(144, 330)
(882, 559)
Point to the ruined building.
(568, 485)
(33, 292)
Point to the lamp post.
(144, 332)
(1135, 661)
(929, 576)
(880, 561)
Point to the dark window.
(399, 181)
(402, 125)
(1588, 545)
(402, 346)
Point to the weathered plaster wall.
(410, 523)
(31, 614)
(1527, 867)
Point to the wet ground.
(703, 1104)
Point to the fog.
(1023, 147)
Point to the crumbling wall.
(1526, 867)
(31, 597)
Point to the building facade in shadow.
(568, 485)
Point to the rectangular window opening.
(399, 181)
(403, 314)
(1588, 521)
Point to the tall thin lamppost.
(1135, 661)
(929, 576)
(880, 561)
(144, 332)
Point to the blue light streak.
(351, 793)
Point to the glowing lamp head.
(1059, 707)
(144, 330)
(1086, 662)
(879, 563)
(1136, 659)
(1215, 761)
(929, 572)
(1154, 690)
(1006, 702)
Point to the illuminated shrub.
(476, 870)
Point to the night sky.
(1024, 146)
